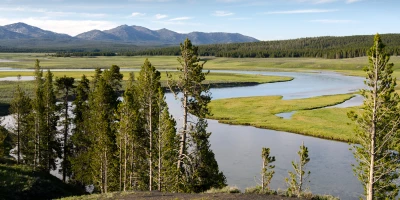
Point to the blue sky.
(264, 20)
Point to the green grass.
(327, 123)
(26, 60)
(22, 182)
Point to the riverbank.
(215, 80)
(260, 112)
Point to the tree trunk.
(370, 189)
(151, 145)
(65, 136)
(18, 134)
(184, 130)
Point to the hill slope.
(21, 182)
(142, 35)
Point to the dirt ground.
(184, 196)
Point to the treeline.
(319, 47)
(119, 144)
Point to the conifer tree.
(49, 143)
(38, 110)
(168, 145)
(267, 171)
(200, 167)
(21, 107)
(148, 84)
(377, 128)
(81, 137)
(297, 179)
(128, 112)
(64, 86)
(189, 84)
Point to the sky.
(262, 19)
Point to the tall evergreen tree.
(81, 136)
(128, 114)
(64, 86)
(189, 84)
(377, 128)
(168, 145)
(38, 109)
(148, 84)
(21, 107)
(195, 98)
(50, 145)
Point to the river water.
(238, 148)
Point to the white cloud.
(180, 18)
(160, 16)
(222, 13)
(70, 27)
(50, 13)
(299, 11)
(333, 21)
(137, 14)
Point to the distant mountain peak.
(124, 34)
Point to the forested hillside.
(322, 47)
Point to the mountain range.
(124, 34)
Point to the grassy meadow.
(26, 61)
(327, 123)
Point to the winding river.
(238, 148)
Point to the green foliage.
(64, 86)
(259, 190)
(226, 189)
(299, 177)
(49, 145)
(21, 109)
(267, 171)
(199, 167)
(378, 128)
(81, 137)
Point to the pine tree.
(38, 109)
(81, 136)
(297, 179)
(189, 84)
(64, 86)
(49, 145)
(168, 145)
(205, 173)
(128, 112)
(148, 84)
(101, 115)
(195, 98)
(378, 128)
(267, 171)
(21, 107)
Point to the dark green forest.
(316, 47)
(117, 144)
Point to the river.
(238, 148)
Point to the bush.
(227, 189)
(258, 190)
